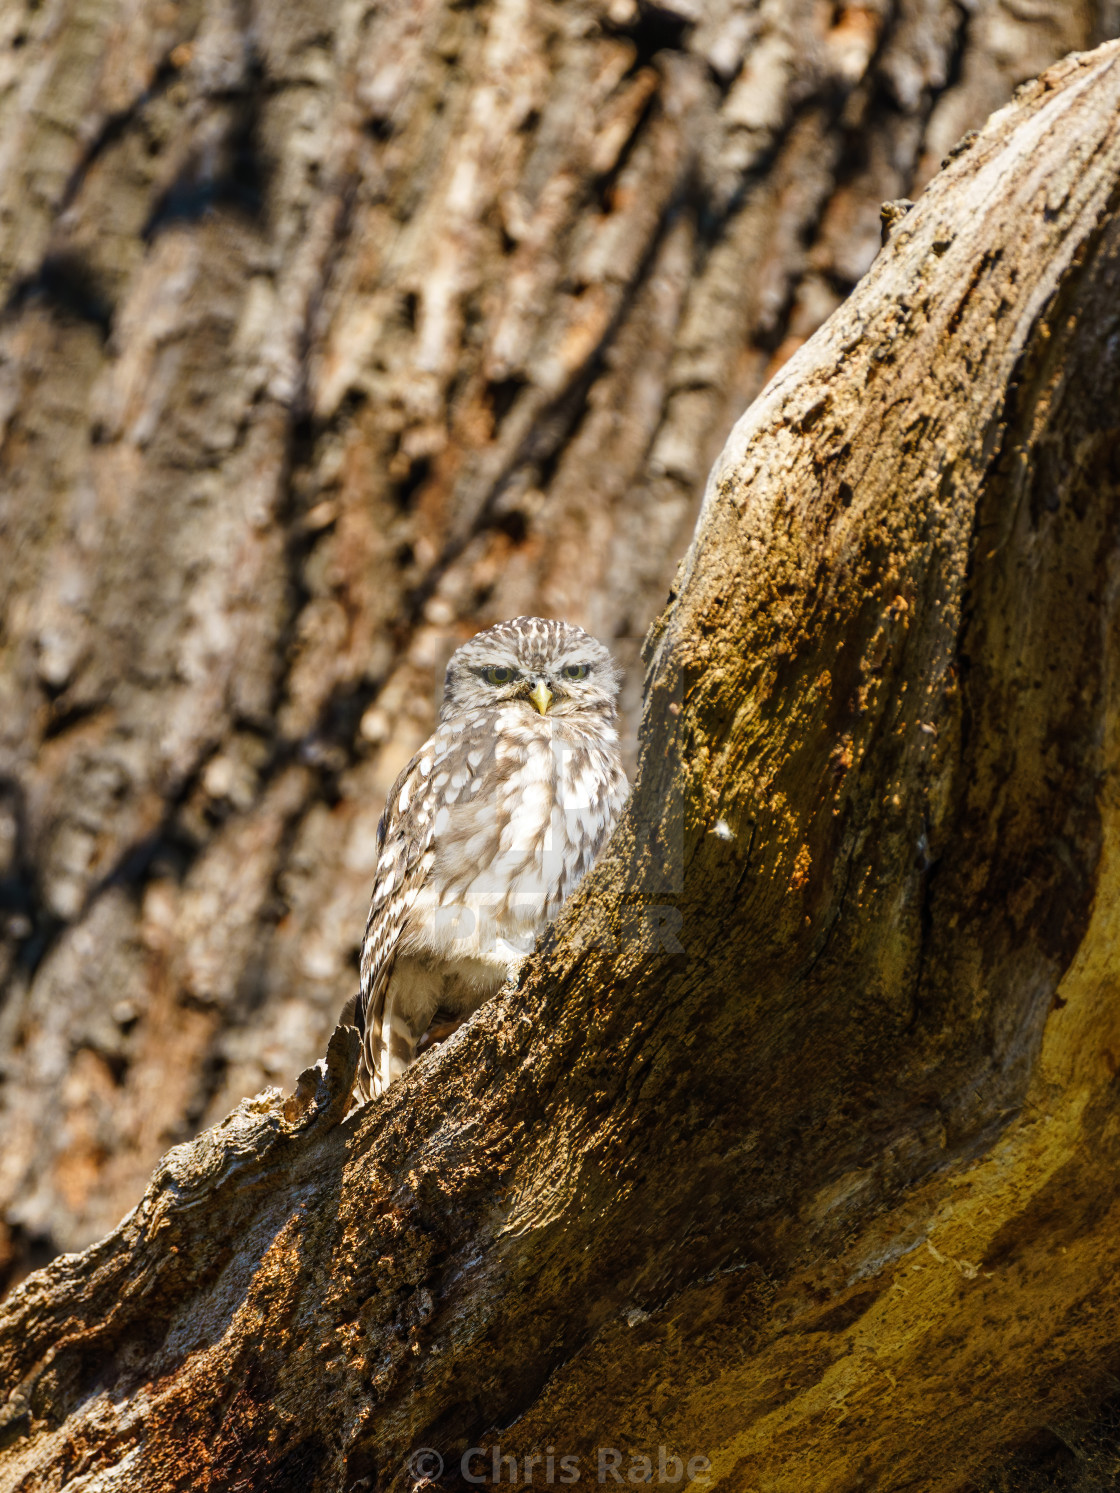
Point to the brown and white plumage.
(486, 832)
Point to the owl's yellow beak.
(541, 696)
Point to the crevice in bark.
(67, 285)
(657, 28)
(113, 128)
(229, 174)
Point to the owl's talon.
(438, 1032)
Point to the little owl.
(485, 833)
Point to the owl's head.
(553, 667)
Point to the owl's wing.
(396, 884)
(404, 858)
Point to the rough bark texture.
(332, 332)
(823, 1189)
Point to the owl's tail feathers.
(352, 1014)
(393, 1048)
(389, 1040)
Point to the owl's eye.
(499, 674)
(575, 671)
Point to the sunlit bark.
(821, 1188)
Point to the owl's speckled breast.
(507, 857)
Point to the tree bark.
(331, 334)
(796, 1149)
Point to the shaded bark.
(817, 1178)
(331, 333)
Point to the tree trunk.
(332, 334)
(796, 1151)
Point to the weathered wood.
(331, 333)
(819, 1182)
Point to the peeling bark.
(819, 1181)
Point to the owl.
(485, 833)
